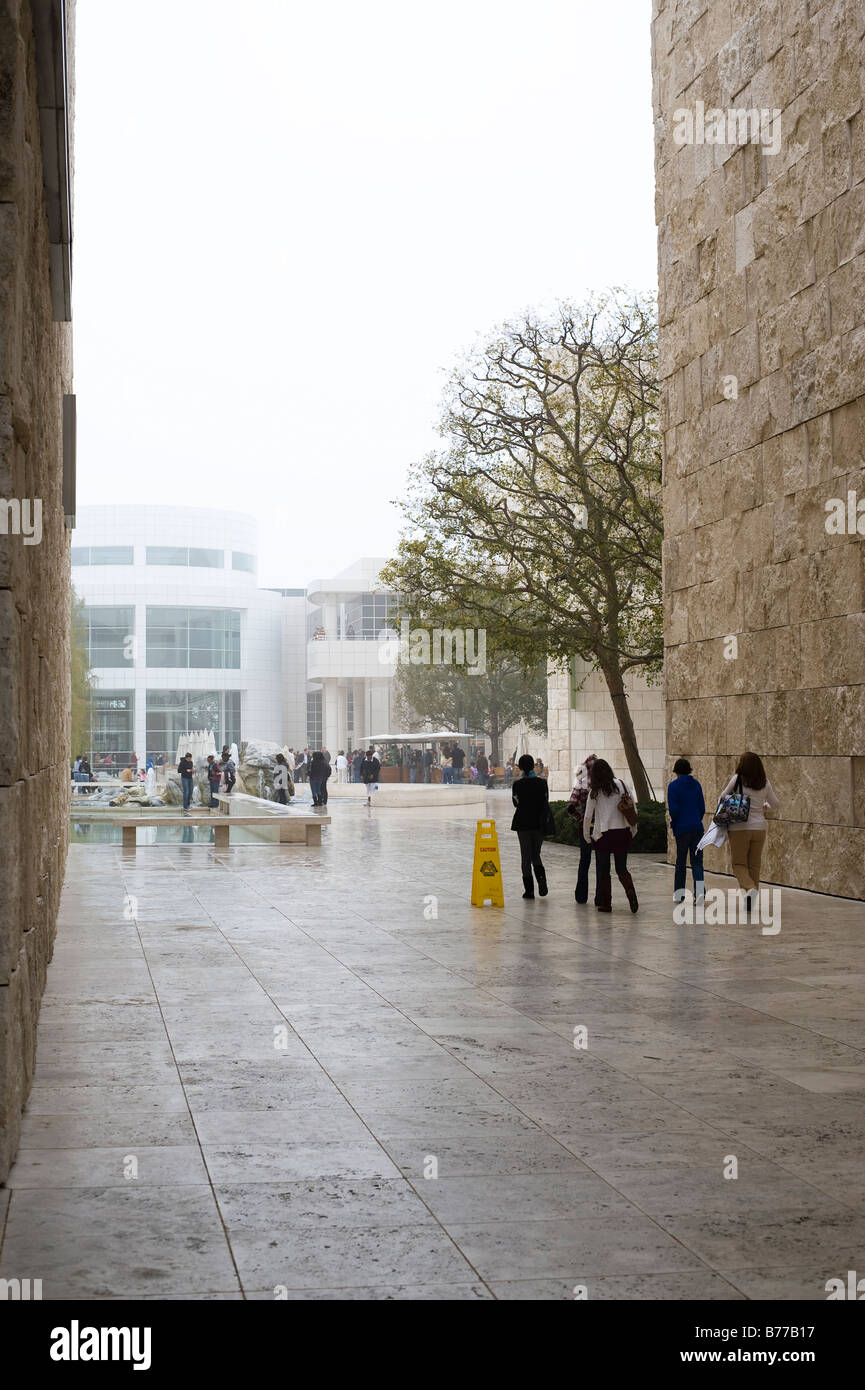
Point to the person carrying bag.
(614, 818)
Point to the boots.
(543, 890)
(529, 886)
(604, 896)
(628, 884)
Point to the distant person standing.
(186, 768)
(214, 777)
(483, 767)
(324, 780)
(531, 797)
(369, 773)
(319, 770)
(229, 769)
(687, 808)
(280, 779)
(341, 766)
(428, 760)
(356, 761)
(577, 811)
(458, 762)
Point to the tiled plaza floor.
(243, 1092)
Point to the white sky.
(291, 218)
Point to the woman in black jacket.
(319, 771)
(531, 796)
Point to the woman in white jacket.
(747, 838)
(610, 834)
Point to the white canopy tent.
(440, 736)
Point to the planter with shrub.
(651, 836)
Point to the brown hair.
(601, 778)
(751, 771)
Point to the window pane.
(110, 631)
(112, 724)
(241, 561)
(111, 555)
(81, 554)
(167, 555)
(200, 638)
(207, 559)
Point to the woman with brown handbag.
(613, 817)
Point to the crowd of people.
(606, 816)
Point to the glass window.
(206, 559)
(241, 561)
(203, 638)
(167, 555)
(111, 555)
(110, 636)
(112, 727)
(172, 713)
(81, 554)
(314, 736)
(367, 615)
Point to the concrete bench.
(293, 829)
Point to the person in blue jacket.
(687, 809)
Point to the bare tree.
(543, 517)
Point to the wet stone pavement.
(279, 1071)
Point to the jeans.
(531, 842)
(581, 892)
(214, 788)
(315, 788)
(186, 784)
(412, 774)
(602, 862)
(687, 844)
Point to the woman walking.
(687, 809)
(747, 838)
(531, 797)
(611, 833)
(577, 812)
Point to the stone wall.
(35, 364)
(762, 309)
(583, 721)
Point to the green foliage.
(441, 696)
(80, 680)
(542, 517)
(651, 836)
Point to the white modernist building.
(180, 635)
(350, 661)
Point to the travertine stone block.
(762, 277)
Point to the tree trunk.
(495, 758)
(616, 687)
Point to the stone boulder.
(256, 767)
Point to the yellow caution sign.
(487, 871)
